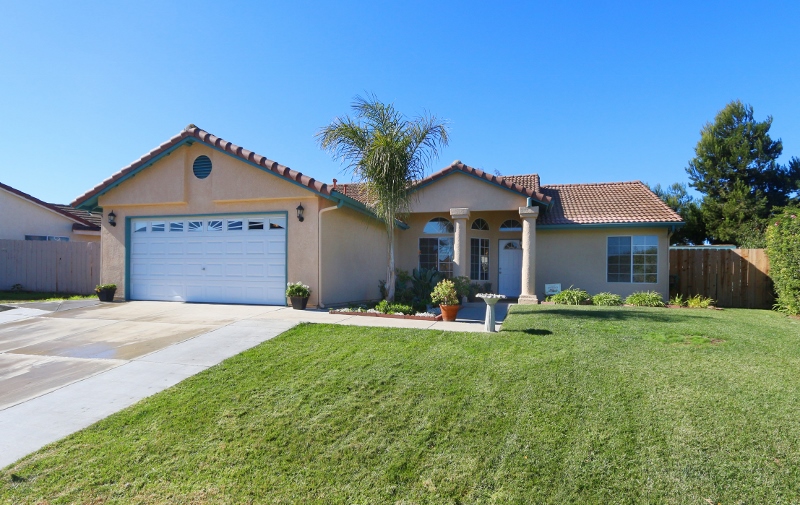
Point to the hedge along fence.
(783, 249)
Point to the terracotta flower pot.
(299, 302)
(449, 312)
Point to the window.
(195, 226)
(511, 225)
(48, 238)
(479, 259)
(437, 253)
(276, 224)
(215, 225)
(480, 225)
(438, 226)
(255, 224)
(633, 259)
(139, 227)
(158, 226)
(234, 225)
(176, 226)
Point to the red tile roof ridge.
(495, 179)
(48, 206)
(208, 138)
(574, 184)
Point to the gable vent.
(201, 167)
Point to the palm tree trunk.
(390, 274)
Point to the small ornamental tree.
(783, 249)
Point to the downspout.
(339, 205)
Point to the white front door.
(510, 271)
(222, 259)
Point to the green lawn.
(567, 405)
(36, 296)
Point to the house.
(201, 219)
(27, 218)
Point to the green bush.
(645, 299)
(783, 250)
(570, 296)
(462, 285)
(394, 308)
(413, 289)
(699, 302)
(105, 287)
(678, 300)
(445, 293)
(606, 299)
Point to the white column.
(460, 248)
(528, 215)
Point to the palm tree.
(387, 153)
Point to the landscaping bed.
(437, 317)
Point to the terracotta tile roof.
(64, 210)
(528, 180)
(193, 131)
(504, 182)
(600, 203)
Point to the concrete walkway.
(65, 367)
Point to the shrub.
(462, 285)
(445, 293)
(571, 296)
(478, 287)
(699, 302)
(645, 299)
(606, 299)
(385, 307)
(678, 300)
(298, 289)
(105, 287)
(783, 250)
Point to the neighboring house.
(201, 219)
(27, 218)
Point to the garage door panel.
(202, 260)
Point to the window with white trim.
(437, 252)
(479, 259)
(633, 259)
(511, 225)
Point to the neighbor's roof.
(81, 218)
(605, 203)
(193, 133)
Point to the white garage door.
(223, 259)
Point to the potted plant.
(105, 292)
(298, 293)
(446, 296)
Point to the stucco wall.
(354, 256)
(458, 190)
(578, 258)
(262, 192)
(20, 217)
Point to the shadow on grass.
(533, 331)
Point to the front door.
(510, 268)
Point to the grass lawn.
(566, 405)
(36, 296)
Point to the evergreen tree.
(736, 169)
(676, 196)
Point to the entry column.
(460, 217)
(528, 215)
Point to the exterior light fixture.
(300, 210)
(112, 218)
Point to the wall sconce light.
(300, 210)
(112, 218)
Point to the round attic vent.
(201, 167)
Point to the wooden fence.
(732, 277)
(62, 267)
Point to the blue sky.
(575, 91)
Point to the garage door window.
(195, 226)
(176, 226)
(215, 225)
(139, 227)
(276, 224)
(255, 224)
(234, 225)
(157, 226)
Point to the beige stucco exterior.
(341, 253)
(20, 217)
